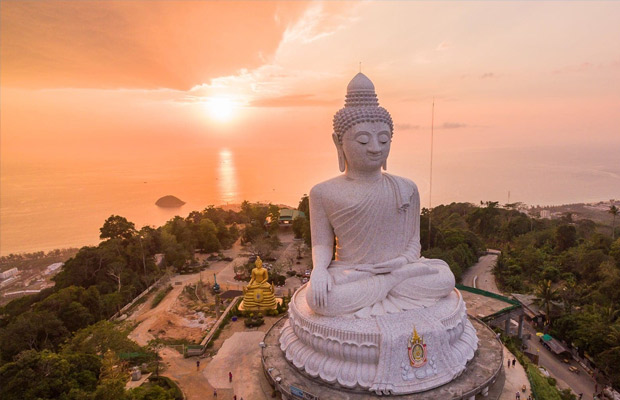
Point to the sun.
(220, 108)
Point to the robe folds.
(376, 222)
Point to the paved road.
(482, 273)
(578, 383)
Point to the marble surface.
(483, 373)
(377, 317)
(371, 354)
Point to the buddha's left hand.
(384, 267)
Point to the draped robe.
(374, 222)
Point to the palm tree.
(610, 313)
(613, 210)
(546, 294)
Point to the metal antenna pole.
(430, 190)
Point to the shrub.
(540, 385)
(567, 394)
(277, 279)
(169, 385)
(254, 321)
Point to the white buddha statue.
(375, 218)
(379, 316)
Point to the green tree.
(33, 330)
(485, 220)
(611, 355)
(304, 205)
(546, 294)
(274, 219)
(47, 375)
(613, 210)
(264, 246)
(298, 227)
(614, 251)
(100, 338)
(565, 237)
(117, 227)
(207, 236)
(176, 255)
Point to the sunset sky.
(501, 72)
(130, 81)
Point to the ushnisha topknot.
(361, 105)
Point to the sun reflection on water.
(227, 176)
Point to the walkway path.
(191, 381)
(515, 379)
(240, 354)
(482, 275)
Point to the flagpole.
(430, 190)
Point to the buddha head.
(258, 263)
(362, 129)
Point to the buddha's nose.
(374, 147)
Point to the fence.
(144, 293)
(196, 350)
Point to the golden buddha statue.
(259, 294)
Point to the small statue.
(259, 294)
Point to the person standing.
(513, 362)
(508, 363)
(214, 393)
(229, 376)
(197, 365)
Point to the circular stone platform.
(481, 372)
(376, 353)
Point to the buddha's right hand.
(320, 283)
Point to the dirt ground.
(178, 318)
(175, 317)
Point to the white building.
(545, 214)
(53, 268)
(9, 273)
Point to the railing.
(487, 294)
(196, 350)
(144, 293)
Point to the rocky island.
(169, 201)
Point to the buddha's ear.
(384, 165)
(341, 158)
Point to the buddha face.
(366, 146)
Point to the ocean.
(50, 204)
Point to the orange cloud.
(136, 44)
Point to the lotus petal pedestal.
(407, 352)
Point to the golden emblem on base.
(417, 350)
